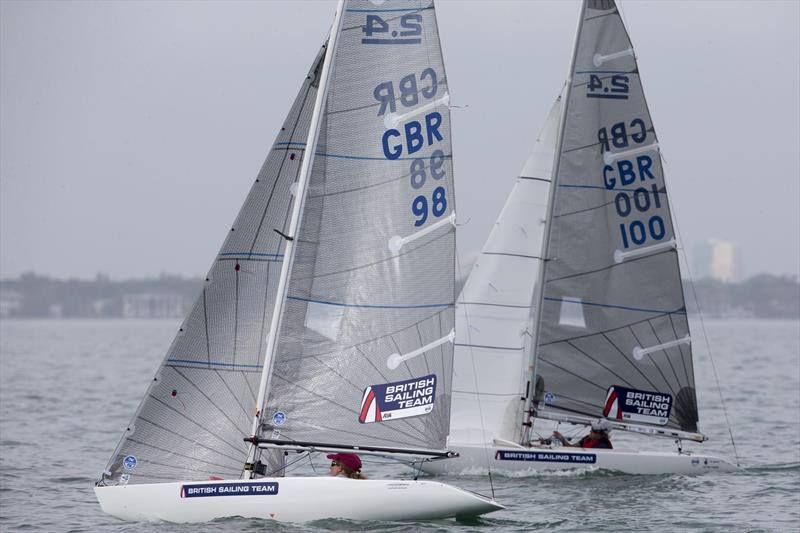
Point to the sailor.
(347, 465)
(597, 437)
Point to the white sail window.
(639, 352)
(610, 157)
(395, 359)
(572, 312)
(620, 256)
(325, 319)
(397, 242)
(391, 120)
(599, 59)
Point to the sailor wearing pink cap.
(346, 464)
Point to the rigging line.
(542, 359)
(635, 71)
(174, 453)
(373, 185)
(443, 81)
(205, 324)
(653, 361)
(227, 386)
(208, 365)
(261, 334)
(477, 387)
(422, 244)
(619, 191)
(496, 305)
(424, 354)
(591, 406)
(184, 437)
(370, 306)
(680, 348)
(624, 326)
(609, 267)
(707, 343)
(634, 365)
(533, 178)
(355, 412)
(443, 356)
(627, 136)
(204, 395)
(235, 310)
(626, 382)
(614, 306)
(278, 175)
(252, 259)
(669, 360)
(509, 254)
(507, 348)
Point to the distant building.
(10, 303)
(718, 260)
(154, 305)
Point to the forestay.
(613, 337)
(364, 355)
(199, 406)
(493, 331)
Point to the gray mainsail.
(364, 355)
(199, 406)
(613, 337)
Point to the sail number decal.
(639, 194)
(403, 30)
(615, 87)
(409, 129)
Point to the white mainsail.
(329, 312)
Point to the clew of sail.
(491, 367)
(364, 352)
(613, 337)
(199, 406)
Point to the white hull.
(298, 499)
(516, 461)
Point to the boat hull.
(512, 460)
(289, 499)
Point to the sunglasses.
(334, 463)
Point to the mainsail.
(364, 354)
(613, 337)
(200, 404)
(493, 333)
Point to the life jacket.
(588, 442)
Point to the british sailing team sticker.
(637, 405)
(401, 399)
(129, 462)
(204, 490)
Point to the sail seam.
(609, 267)
(508, 254)
(510, 306)
(612, 306)
(368, 306)
(489, 347)
(211, 363)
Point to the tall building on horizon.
(718, 260)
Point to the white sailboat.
(325, 322)
(574, 311)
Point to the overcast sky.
(130, 132)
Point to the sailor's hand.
(559, 436)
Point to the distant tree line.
(35, 296)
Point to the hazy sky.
(130, 132)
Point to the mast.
(539, 289)
(297, 211)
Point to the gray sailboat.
(325, 322)
(574, 312)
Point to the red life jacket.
(588, 442)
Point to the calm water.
(67, 390)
